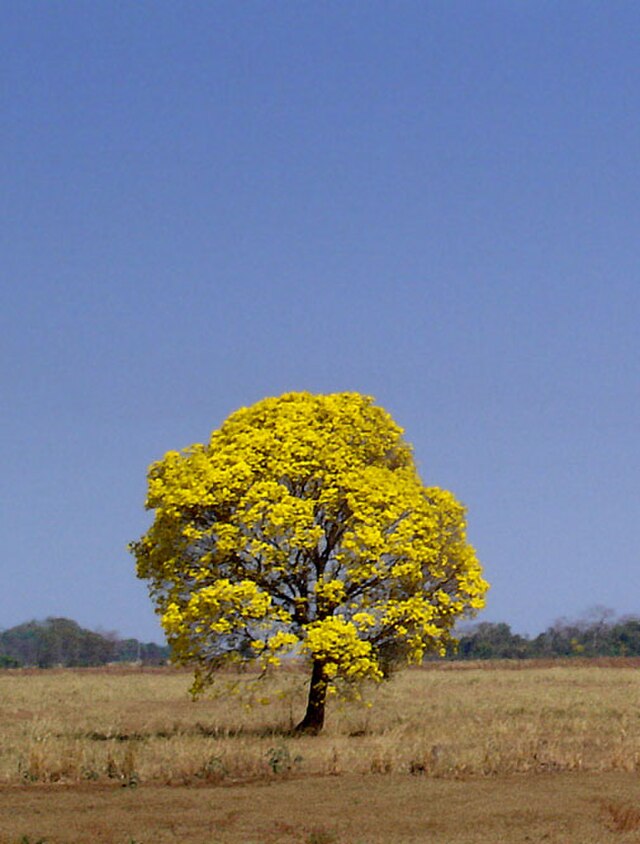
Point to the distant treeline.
(60, 641)
(591, 637)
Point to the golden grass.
(443, 721)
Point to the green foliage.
(56, 641)
(492, 641)
(60, 641)
(597, 635)
(131, 650)
(280, 760)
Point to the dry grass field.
(453, 752)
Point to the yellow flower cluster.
(331, 593)
(336, 643)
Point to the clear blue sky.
(435, 203)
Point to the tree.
(302, 528)
(492, 641)
(55, 641)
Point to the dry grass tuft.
(622, 817)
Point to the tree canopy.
(302, 527)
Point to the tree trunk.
(313, 720)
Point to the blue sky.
(435, 203)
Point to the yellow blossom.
(302, 527)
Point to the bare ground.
(556, 808)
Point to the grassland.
(449, 753)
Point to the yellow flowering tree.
(302, 528)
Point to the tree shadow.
(197, 729)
